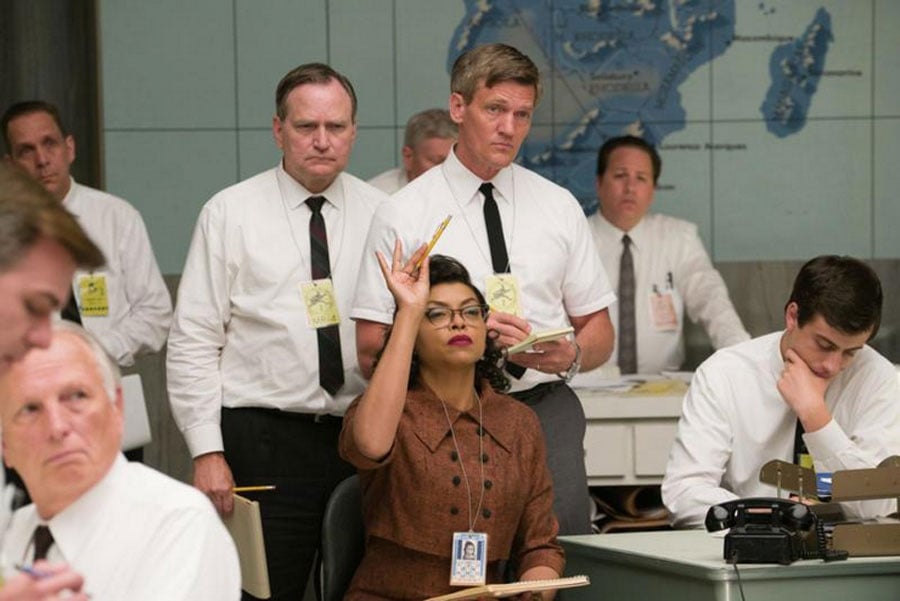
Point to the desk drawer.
(608, 449)
(652, 442)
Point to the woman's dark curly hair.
(447, 270)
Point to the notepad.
(498, 591)
(536, 337)
(245, 527)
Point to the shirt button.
(486, 513)
(484, 458)
(454, 456)
(456, 480)
(454, 510)
(487, 484)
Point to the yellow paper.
(93, 300)
(320, 302)
(659, 387)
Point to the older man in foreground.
(131, 532)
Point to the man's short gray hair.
(431, 123)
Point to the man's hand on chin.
(804, 392)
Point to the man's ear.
(70, 149)
(407, 154)
(457, 107)
(791, 313)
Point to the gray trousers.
(563, 422)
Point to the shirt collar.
(638, 233)
(295, 194)
(430, 424)
(86, 513)
(67, 199)
(464, 184)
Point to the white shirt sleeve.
(706, 296)
(198, 335)
(698, 458)
(149, 314)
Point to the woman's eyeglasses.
(441, 317)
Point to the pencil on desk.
(253, 488)
(434, 239)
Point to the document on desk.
(245, 527)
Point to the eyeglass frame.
(485, 310)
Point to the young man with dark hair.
(813, 389)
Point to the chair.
(343, 540)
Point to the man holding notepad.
(526, 243)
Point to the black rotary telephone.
(768, 530)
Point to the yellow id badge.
(502, 293)
(93, 299)
(320, 302)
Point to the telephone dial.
(769, 530)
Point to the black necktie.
(43, 540)
(70, 312)
(331, 366)
(499, 258)
(497, 243)
(627, 333)
(799, 445)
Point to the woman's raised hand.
(407, 281)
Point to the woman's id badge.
(320, 302)
(469, 554)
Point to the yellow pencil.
(253, 488)
(434, 239)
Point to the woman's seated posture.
(454, 476)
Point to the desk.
(687, 565)
(628, 435)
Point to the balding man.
(427, 141)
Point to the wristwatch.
(574, 368)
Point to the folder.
(513, 588)
(245, 527)
(134, 409)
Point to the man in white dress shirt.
(125, 304)
(131, 532)
(814, 392)
(527, 245)
(672, 273)
(427, 140)
(262, 353)
(41, 245)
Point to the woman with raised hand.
(445, 459)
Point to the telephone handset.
(768, 530)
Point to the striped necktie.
(331, 365)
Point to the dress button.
(454, 456)
(454, 510)
(487, 484)
(486, 513)
(456, 480)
